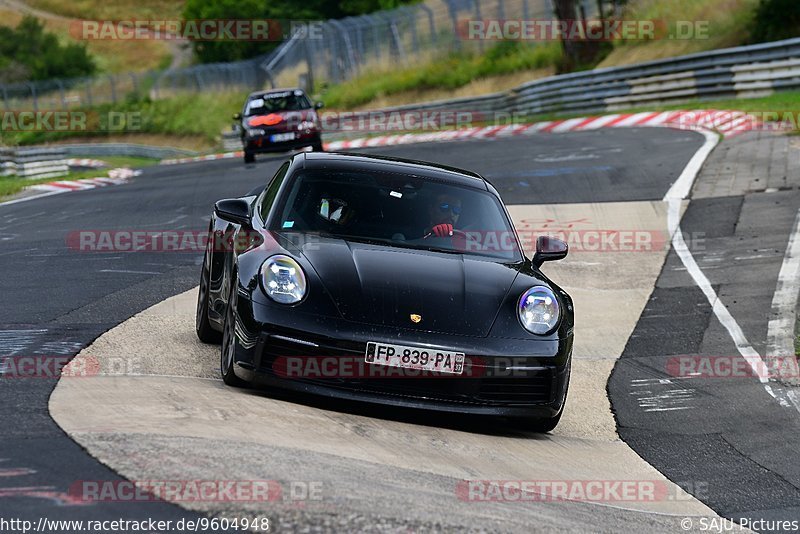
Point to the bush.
(776, 20)
(281, 10)
(28, 52)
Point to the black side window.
(269, 194)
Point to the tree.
(281, 10)
(776, 20)
(576, 53)
(28, 52)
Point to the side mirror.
(237, 116)
(549, 249)
(235, 210)
(319, 105)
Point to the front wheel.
(540, 425)
(203, 327)
(249, 157)
(228, 349)
(317, 147)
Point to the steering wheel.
(455, 232)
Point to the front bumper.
(502, 377)
(262, 143)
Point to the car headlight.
(283, 279)
(538, 310)
(254, 132)
(306, 125)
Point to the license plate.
(441, 361)
(281, 137)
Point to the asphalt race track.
(59, 300)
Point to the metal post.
(33, 95)
(431, 25)
(451, 8)
(398, 42)
(376, 40)
(61, 93)
(113, 88)
(309, 66)
(478, 17)
(347, 44)
(412, 20)
(333, 55)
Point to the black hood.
(453, 293)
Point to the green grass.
(116, 10)
(12, 184)
(727, 23)
(451, 72)
(204, 115)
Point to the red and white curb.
(77, 185)
(115, 177)
(727, 123)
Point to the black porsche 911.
(386, 281)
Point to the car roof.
(343, 161)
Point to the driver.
(443, 215)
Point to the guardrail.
(741, 72)
(33, 162)
(231, 141)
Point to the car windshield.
(275, 102)
(399, 210)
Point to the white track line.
(674, 197)
(32, 197)
(780, 341)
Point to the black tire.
(541, 425)
(228, 346)
(205, 332)
(249, 157)
(317, 147)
